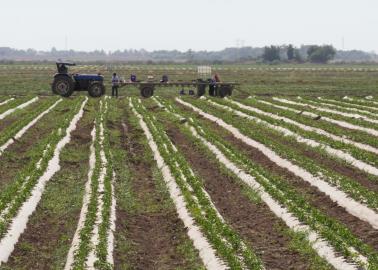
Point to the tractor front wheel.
(63, 86)
(96, 89)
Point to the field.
(324, 80)
(282, 175)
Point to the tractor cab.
(64, 83)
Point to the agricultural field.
(258, 180)
(324, 80)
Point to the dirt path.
(45, 243)
(149, 235)
(255, 223)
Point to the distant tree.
(297, 55)
(189, 55)
(290, 52)
(53, 51)
(321, 54)
(271, 54)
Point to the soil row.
(48, 236)
(149, 233)
(253, 221)
(318, 199)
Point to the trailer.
(220, 89)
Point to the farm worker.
(164, 79)
(216, 77)
(212, 86)
(115, 85)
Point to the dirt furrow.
(48, 236)
(320, 200)
(16, 155)
(248, 219)
(317, 198)
(152, 230)
(333, 165)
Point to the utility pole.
(239, 44)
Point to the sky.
(194, 24)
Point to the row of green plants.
(223, 238)
(340, 237)
(101, 146)
(295, 154)
(347, 104)
(366, 104)
(11, 130)
(125, 135)
(13, 103)
(353, 135)
(354, 151)
(107, 199)
(337, 107)
(4, 99)
(18, 191)
(351, 120)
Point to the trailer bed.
(221, 89)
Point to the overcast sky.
(183, 25)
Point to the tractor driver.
(115, 85)
(62, 69)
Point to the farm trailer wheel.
(63, 85)
(96, 89)
(213, 90)
(224, 90)
(201, 88)
(147, 91)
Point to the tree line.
(269, 54)
(315, 54)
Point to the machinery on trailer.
(220, 89)
(204, 81)
(65, 84)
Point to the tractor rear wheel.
(63, 86)
(96, 89)
(147, 91)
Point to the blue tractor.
(64, 83)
